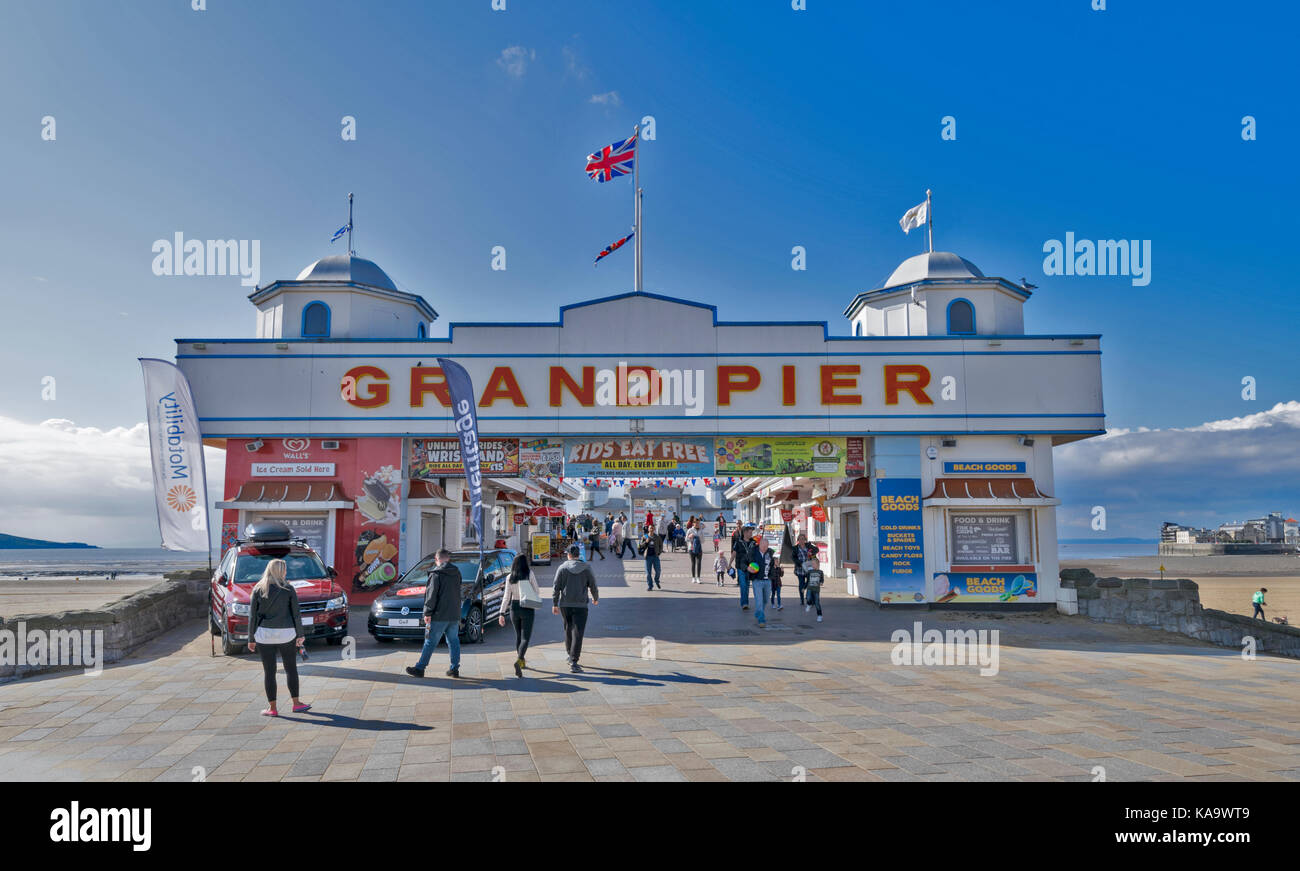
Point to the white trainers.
(819, 618)
(807, 608)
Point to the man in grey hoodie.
(573, 580)
(442, 601)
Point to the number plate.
(308, 621)
(403, 621)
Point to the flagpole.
(351, 252)
(636, 187)
(929, 218)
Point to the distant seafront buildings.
(1271, 534)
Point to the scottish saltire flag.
(612, 160)
(609, 249)
(339, 232)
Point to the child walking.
(777, 571)
(720, 567)
(813, 576)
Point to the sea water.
(91, 562)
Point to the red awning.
(856, 487)
(986, 488)
(421, 489)
(545, 511)
(786, 496)
(511, 498)
(274, 490)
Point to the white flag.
(915, 217)
(179, 481)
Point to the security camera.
(254, 446)
(1026, 441)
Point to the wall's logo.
(181, 498)
(294, 446)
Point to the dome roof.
(935, 264)
(345, 267)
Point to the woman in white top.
(275, 627)
(522, 617)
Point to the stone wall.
(126, 624)
(1172, 604)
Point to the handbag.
(529, 595)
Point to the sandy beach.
(1226, 582)
(50, 595)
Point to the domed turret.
(347, 267)
(939, 294)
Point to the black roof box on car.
(268, 531)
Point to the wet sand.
(52, 595)
(1226, 582)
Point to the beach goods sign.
(901, 555)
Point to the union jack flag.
(612, 160)
(609, 249)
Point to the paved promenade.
(719, 700)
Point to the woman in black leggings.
(275, 629)
(522, 617)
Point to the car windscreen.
(297, 566)
(418, 576)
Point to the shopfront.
(935, 448)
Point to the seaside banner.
(466, 416)
(176, 447)
(440, 458)
(673, 457)
(797, 456)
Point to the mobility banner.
(176, 447)
(465, 414)
(440, 458)
(671, 457)
(794, 456)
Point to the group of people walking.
(275, 627)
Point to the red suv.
(322, 602)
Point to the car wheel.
(474, 625)
(228, 647)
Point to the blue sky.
(774, 128)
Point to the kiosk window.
(988, 539)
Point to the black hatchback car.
(399, 612)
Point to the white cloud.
(64, 482)
(515, 59)
(1203, 475)
(609, 98)
(573, 65)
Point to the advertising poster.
(541, 458)
(376, 521)
(440, 458)
(797, 456)
(670, 457)
(901, 557)
(541, 548)
(312, 528)
(984, 539)
(985, 587)
(774, 533)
